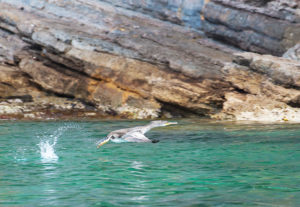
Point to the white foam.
(48, 142)
(47, 151)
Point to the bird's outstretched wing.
(122, 132)
(135, 136)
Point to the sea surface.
(196, 163)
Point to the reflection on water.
(19, 156)
(49, 173)
(137, 165)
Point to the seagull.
(134, 134)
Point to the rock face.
(96, 59)
(293, 53)
(267, 26)
(184, 12)
(114, 62)
(267, 89)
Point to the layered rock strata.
(267, 89)
(184, 12)
(126, 64)
(268, 27)
(61, 59)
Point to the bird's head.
(161, 123)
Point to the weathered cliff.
(109, 60)
(264, 26)
(268, 89)
(97, 58)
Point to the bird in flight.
(134, 134)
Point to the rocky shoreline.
(102, 59)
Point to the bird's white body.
(118, 140)
(134, 134)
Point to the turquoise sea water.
(196, 163)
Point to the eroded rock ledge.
(126, 64)
(92, 59)
(268, 89)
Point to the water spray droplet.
(47, 143)
(47, 151)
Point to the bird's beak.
(170, 123)
(102, 142)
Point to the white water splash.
(47, 144)
(47, 151)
